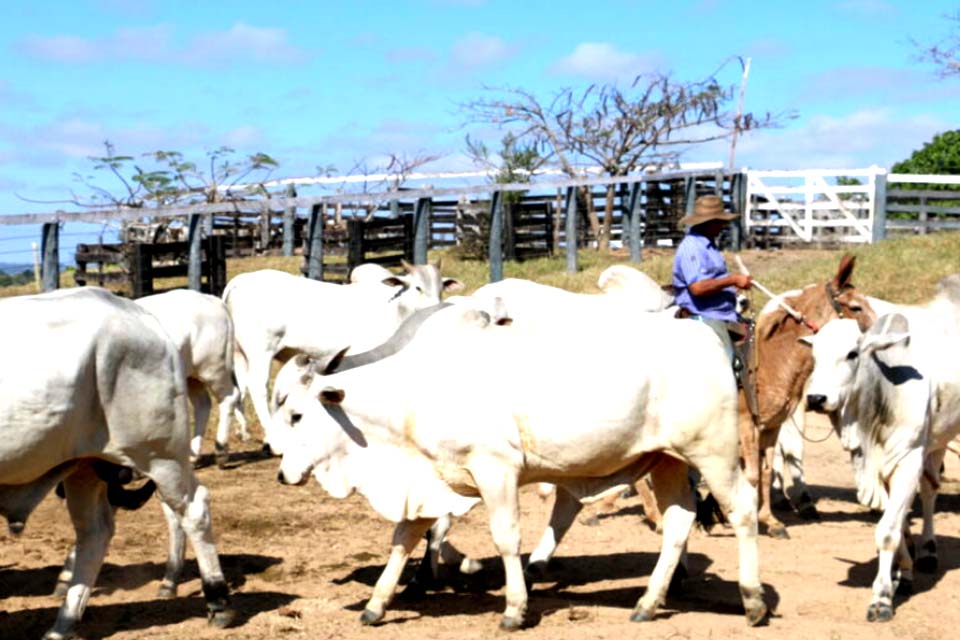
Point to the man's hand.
(742, 281)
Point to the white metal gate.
(810, 206)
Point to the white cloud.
(240, 43)
(479, 49)
(856, 140)
(243, 137)
(603, 61)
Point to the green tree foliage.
(517, 162)
(13, 279)
(941, 156)
(170, 179)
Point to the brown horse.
(783, 366)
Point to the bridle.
(837, 307)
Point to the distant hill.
(15, 267)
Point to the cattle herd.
(428, 407)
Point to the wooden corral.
(132, 268)
(384, 241)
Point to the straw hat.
(705, 209)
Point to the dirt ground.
(302, 564)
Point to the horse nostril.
(816, 401)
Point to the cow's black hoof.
(879, 612)
(511, 624)
(369, 617)
(222, 618)
(641, 615)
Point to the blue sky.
(329, 83)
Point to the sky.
(346, 84)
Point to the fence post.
(314, 248)
(394, 208)
(195, 261)
(355, 248)
(738, 203)
(216, 265)
(289, 214)
(634, 206)
(141, 270)
(265, 226)
(571, 208)
(879, 205)
(495, 248)
(690, 194)
(421, 230)
(50, 271)
(407, 221)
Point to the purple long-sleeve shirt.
(698, 258)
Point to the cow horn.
(335, 361)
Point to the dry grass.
(903, 270)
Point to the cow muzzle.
(816, 402)
(299, 482)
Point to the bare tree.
(650, 124)
(945, 54)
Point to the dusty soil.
(302, 565)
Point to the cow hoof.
(928, 564)
(641, 615)
(879, 612)
(15, 528)
(61, 589)
(511, 624)
(369, 617)
(167, 591)
(470, 566)
(591, 521)
(756, 614)
(778, 531)
(221, 456)
(222, 618)
(57, 635)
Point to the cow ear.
(452, 284)
(501, 317)
(844, 271)
(394, 281)
(406, 265)
(879, 342)
(331, 396)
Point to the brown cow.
(783, 366)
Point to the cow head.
(420, 286)
(846, 300)
(838, 349)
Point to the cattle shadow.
(128, 577)
(862, 574)
(235, 459)
(104, 620)
(702, 591)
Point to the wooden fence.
(646, 211)
(134, 268)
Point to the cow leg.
(564, 512)
(500, 494)
(177, 541)
(406, 535)
(675, 502)
(791, 447)
(230, 405)
(927, 561)
(258, 379)
(737, 498)
(889, 533)
(439, 552)
(775, 528)
(66, 574)
(92, 518)
(189, 502)
(200, 401)
(648, 498)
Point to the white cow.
(276, 315)
(788, 454)
(200, 326)
(469, 409)
(107, 384)
(898, 390)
